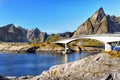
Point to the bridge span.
(105, 38)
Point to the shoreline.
(41, 48)
(94, 67)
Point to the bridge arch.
(105, 38)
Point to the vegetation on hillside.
(86, 42)
(45, 45)
(54, 38)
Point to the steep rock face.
(10, 33)
(36, 34)
(33, 34)
(22, 29)
(97, 16)
(43, 36)
(99, 23)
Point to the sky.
(53, 16)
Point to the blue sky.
(53, 16)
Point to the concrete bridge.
(107, 39)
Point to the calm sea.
(34, 64)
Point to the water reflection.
(66, 58)
(76, 56)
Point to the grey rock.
(43, 36)
(33, 34)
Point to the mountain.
(99, 23)
(43, 36)
(10, 33)
(33, 34)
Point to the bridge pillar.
(66, 48)
(108, 47)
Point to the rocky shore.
(95, 67)
(48, 48)
(29, 48)
(101, 66)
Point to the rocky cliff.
(99, 23)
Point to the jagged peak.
(10, 24)
(100, 11)
(98, 15)
(11, 28)
(36, 29)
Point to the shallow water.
(33, 64)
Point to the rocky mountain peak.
(98, 15)
(99, 23)
(37, 30)
(11, 28)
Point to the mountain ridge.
(12, 33)
(98, 23)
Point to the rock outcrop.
(95, 67)
(99, 23)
